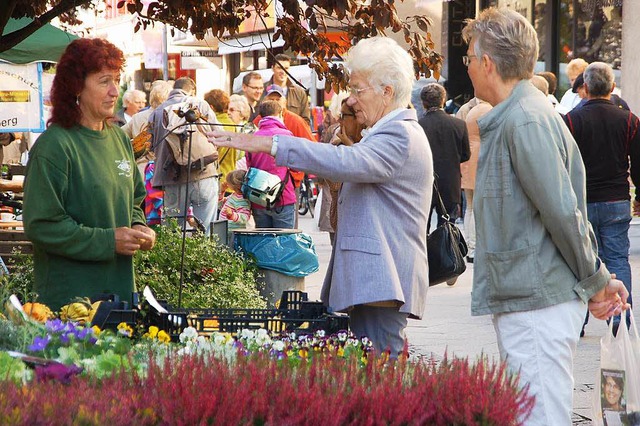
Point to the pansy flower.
(39, 343)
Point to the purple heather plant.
(57, 371)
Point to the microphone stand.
(190, 130)
(191, 120)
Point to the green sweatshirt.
(80, 186)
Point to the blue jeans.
(279, 217)
(203, 199)
(610, 221)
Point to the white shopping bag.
(617, 393)
(318, 209)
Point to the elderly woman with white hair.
(536, 262)
(378, 270)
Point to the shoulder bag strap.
(445, 214)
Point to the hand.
(129, 240)
(242, 141)
(150, 240)
(609, 301)
(344, 138)
(636, 207)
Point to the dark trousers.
(454, 213)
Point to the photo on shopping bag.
(614, 405)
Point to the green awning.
(44, 45)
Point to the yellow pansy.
(163, 336)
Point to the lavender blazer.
(380, 252)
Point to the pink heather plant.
(258, 390)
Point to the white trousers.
(541, 344)
(470, 223)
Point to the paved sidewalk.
(449, 327)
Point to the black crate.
(295, 313)
(112, 312)
(292, 299)
(117, 316)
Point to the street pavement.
(448, 327)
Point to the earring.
(78, 100)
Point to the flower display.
(253, 377)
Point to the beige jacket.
(468, 168)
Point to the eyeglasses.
(353, 91)
(466, 59)
(260, 88)
(346, 114)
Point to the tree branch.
(5, 13)
(12, 39)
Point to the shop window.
(591, 31)
(540, 25)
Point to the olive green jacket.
(535, 247)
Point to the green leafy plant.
(214, 276)
(19, 281)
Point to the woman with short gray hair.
(536, 266)
(239, 109)
(378, 270)
(511, 44)
(382, 64)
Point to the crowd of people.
(547, 203)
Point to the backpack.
(263, 188)
(174, 120)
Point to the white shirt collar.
(373, 129)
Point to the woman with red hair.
(83, 191)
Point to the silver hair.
(336, 103)
(383, 62)
(599, 79)
(132, 94)
(507, 38)
(240, 102)
(159, 92)
(433, 95)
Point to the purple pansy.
(39, 343)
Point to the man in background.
(297, 99)
(609, 143)
(252, 88)
(168, 174)
(449, 143)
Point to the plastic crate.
(300, 316)
(116, 317)
(112, 312)
(292, 299)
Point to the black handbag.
(446, 249)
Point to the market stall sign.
(21, 108)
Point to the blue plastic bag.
(291, 254)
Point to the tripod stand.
(191, 119)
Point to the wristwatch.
(274, 145)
